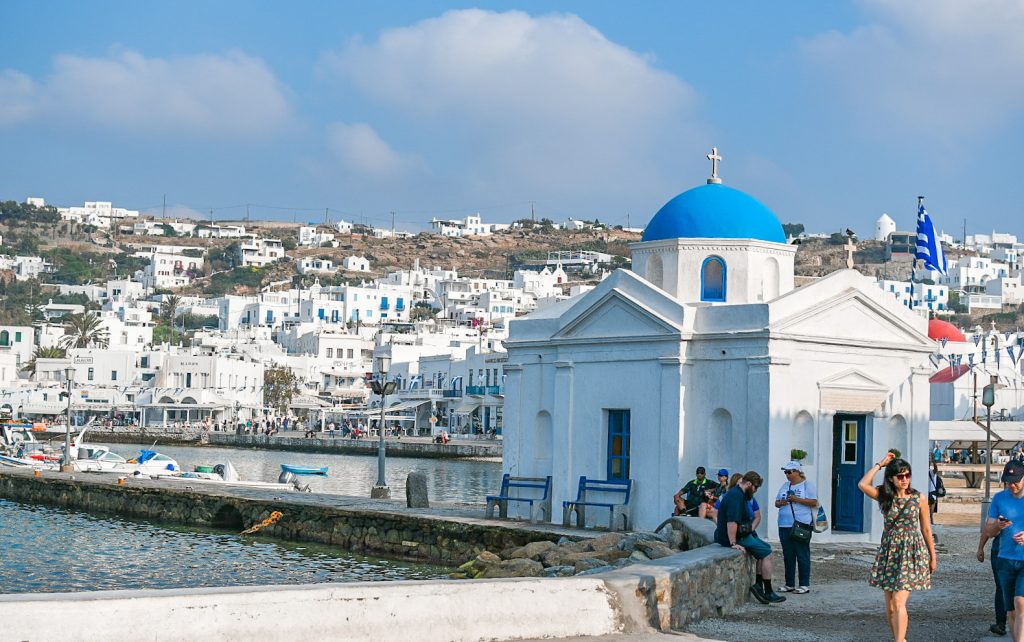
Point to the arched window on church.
(712, 279)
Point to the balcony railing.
(449, 394)
(483, 390)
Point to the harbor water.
(449, 480)
(44, 549)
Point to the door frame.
(838, 450)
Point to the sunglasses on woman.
(902, 476)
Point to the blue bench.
(618, 489)
(540, 507)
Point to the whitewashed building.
(469, 226)
(311, 236)
(258, 252)
(706, 355)
(355, 264)
(98, 213)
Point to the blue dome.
(714, 211)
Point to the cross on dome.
(714, 158)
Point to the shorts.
(1010, 574)
(758, 548)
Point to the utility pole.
(247, 213)
(327, 221)
(163, 211)
(392, 224)
(533, 215)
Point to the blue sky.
(829, 113)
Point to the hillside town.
(219, 326)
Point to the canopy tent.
(966, 434)
(308, 402)
(950, 374)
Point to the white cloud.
(947, 68)
(17, 95)
(230, 95)
(530, 103)
(361, 150)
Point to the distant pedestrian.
(906, 557)
(797, 501)
(999, 628)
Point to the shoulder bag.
(801, 531)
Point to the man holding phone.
(1006, 521)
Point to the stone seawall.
(397, 533)
(664, 594)
(403, 448)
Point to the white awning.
(406, 405)
(964, 434)
(467, 407)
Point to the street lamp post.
(66, 466)
(988, 399)
(382, 387)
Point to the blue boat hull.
(303, 470)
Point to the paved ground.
(842, 607)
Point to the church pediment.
(616, 315)
(853, 380)
(853, 318)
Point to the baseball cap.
(793, 465)
(1013, 471)
(722, 472)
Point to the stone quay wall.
(707, 580)
(399, 534)
(340, 445)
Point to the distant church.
(706, 355)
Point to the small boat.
(303, 470)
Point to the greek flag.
(929, 249)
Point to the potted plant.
(895, 452)
(797, 455)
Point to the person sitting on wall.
(693, 494)
(735, 529)
(709, 508)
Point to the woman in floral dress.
(906, 558)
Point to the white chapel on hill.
(706, 355)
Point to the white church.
(705, 354)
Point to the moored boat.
(303, 470)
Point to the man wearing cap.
(735, 530)
(693, 494)
(1006, 520)
(797, 501)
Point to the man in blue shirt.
(1006, 520)
(734, 512)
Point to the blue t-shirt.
(734, 508)
(1005, 504)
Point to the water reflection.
(45, 549)
(449, 480)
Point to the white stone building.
(355, 264)
(31, 267)
(311, 236)
(469, 226)
(884, 226)
(169, 270)
(258, 252)
(313, 265)
(918, 296)
(706, 355)
(98, 213)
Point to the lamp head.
(988, 396)
(383, 364)
(69, 373)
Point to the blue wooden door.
(847, 469)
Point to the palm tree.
(169, 309)
(84, 330)
(40, 352)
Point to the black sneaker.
(775, 598)
(758, 592)
(998, 629)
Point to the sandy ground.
(842, 607)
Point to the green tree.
(289, 244)
(84, 330)
(422, 311)
(168, 230)
(279, 387)
(40, 352)
(792, 229)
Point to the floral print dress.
(902, 562)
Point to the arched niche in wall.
(543, 437)
(803, 435)
(655, 271)
(720, 449)
(770, 281)
(898, 436)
